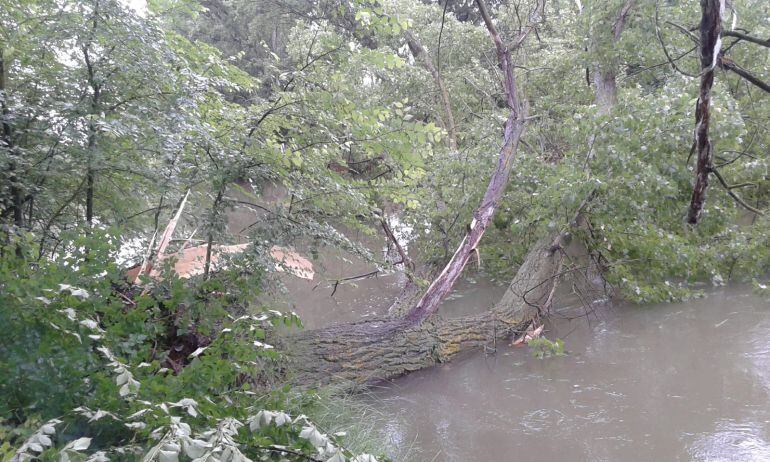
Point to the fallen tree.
(377, 349)
(384, 348)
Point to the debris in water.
(529, 334)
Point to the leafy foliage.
(541, 347)
(110, 116)
(96, 360)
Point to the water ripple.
(739, 442)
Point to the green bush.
(97, 369)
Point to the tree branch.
(685, 31)
(746, 37)
(482, 216)
(729, 190)
(401, 252)
(665, 49)
(620, 21)
(419, 53)
(730, 65)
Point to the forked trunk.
(380, 349)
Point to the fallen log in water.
(371, 350)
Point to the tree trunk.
(210, 237)
(96, 88)
(482, 216)
(710, 43)
(384, 348)
(90, 198)
(378, 349)
(605, 88)
(419, 53)
(14, 208)
(605, 82)
(91, 148)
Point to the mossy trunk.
(372, 350)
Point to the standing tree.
(712, 58)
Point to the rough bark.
(710, 43)
(605, 87)
(420, 54)
(372, 350)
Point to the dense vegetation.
(112, 113)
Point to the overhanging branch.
(730, 65)
(746, 37)
(732, 194)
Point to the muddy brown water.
(685, 381)
(672, 382)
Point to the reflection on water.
(687, 381)
(758, 349)
(732, 441)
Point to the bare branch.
(665, 49)
(729, 64)
(400, 249)
(732, 194)
(685, 31)
(746, 37)
(440, 33)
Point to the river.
(684, 381)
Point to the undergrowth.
(173, 370)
